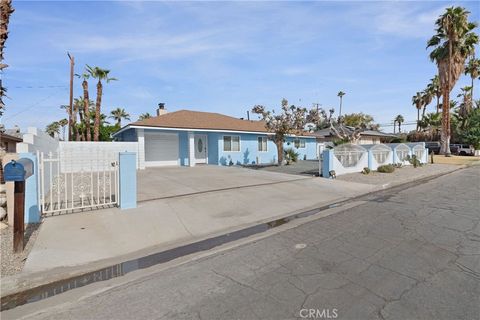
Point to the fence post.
(327, 163)
(128, 180)
(32, 206)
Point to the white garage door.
(161, 149)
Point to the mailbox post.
(18, 171)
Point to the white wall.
(93, 155)
(36, 140)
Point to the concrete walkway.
(81, 238)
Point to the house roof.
(186, 119)
(4, 136)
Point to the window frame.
(231, 139)
(261, 143)
(300, 142)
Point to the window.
(262, 144)
(299, 143)
(231, 143)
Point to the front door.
(200, 148)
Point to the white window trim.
(239, 143)
(266, 144)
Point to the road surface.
(413, 254)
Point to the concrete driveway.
(167, 182)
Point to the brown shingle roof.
(186, 119)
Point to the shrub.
(387, 168)
(290, 155)
(366, 170)
(414, 161)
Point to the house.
(9, 140)
(187, 138)
(366, 137)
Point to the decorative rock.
(3, 188)
(3, 199)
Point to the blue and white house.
(188, 138)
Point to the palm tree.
(473, 69)
(78, 106)
(427, 97)
(436, 89)
(340, 94)
(417, 101)
(465, 106)
(86, 108)
(432, 122)
(119, 114)
(453, 42)
(399, 119)
(52, 129)
(144, 116)
(100, 74)
(6, 10)
(63, 123)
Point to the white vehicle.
(465, 150)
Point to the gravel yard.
(400, 175)
(12, 263)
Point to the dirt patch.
(12, 263)
(400, 175)
(459, 160)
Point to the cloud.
(405, 20)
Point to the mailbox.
(18, 170)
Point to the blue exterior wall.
(308, 153)
(248, 153)
(183, 148)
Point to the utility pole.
(70, 110)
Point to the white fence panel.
(348, 158)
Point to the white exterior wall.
(36, 140)
(85, 151)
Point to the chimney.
(161, 109)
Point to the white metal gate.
(75, 181)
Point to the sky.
(222, 57)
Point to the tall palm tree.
(119, 114)
(340, 94)
(465, 106)
(6, 10)
(473, 69)
(63, 123)
(78, 106)
(86, 108)
(427, 97)
(99, 74)
(453, 42)
(399, 119)
(52, 129)
(144, 116)
(437, 90)
(417, 101)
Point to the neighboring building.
(9, 140)
(188, 137)
(366, 137)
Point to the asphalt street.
(411, 254)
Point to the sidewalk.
(75, 243)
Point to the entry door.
(200, 148)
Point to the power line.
(33, 105)
(36, 87)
